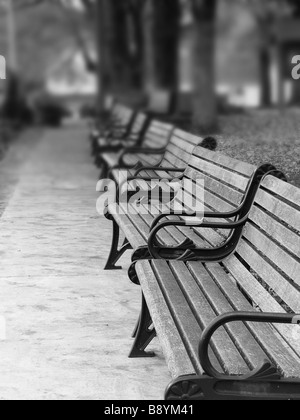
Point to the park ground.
(68, 324)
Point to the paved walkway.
(68, 323)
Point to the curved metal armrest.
(138, 150)
(122, 138)
(206, 215)
(245, 206)
(269, 318)
(154, 245)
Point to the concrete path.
(65, 324)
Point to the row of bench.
(218, 263)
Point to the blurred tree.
(161, 34)
(135, 10)
(204, 96)
(15, 105)
(121, 41)
(166, 36)
(267, 12)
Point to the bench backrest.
(139, 125)
(225, 179)
(109, 102)
(226, 182)
(157, 135)
(266, 265)
(180, 149)
(125, 115)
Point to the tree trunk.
(161, 25)
(120, 45)
(265, 82)
(150, 81)
(138, 56)
(204, 96)
(166, 30)
(102, 46)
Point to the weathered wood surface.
(68, 324)
(265, 266)
(225, 183)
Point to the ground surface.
(68, 323)
(263, 136)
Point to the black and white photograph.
(149, 203)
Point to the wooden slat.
(177, 359)
(242, 168)
(270, 275)
(188, 137)
(280, 209)
(283, 189)
(219, 173)
(139, 123)
(266, 267)
(225, 350)
(280, 233)
(247, 345)
(278, 351)
(280, 258)
(189, 329)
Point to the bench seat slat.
(179, 363)
(237, 349)
(279, 353)
(175, 235)
(189, 328)
(262, 275)
(229, 357)
(239, 334)
(170, 235)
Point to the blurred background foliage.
(216, 53)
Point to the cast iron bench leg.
(115, 253)
(144, 335)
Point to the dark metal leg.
(115, 253)
(133, 275)
(136, 328)
(144, 334)
(104, 171)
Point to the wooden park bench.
(169, 165)
(230, 186)
(117, 127)
(150, 150)
(229, 328)
(115, 143)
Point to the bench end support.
(145, 333)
